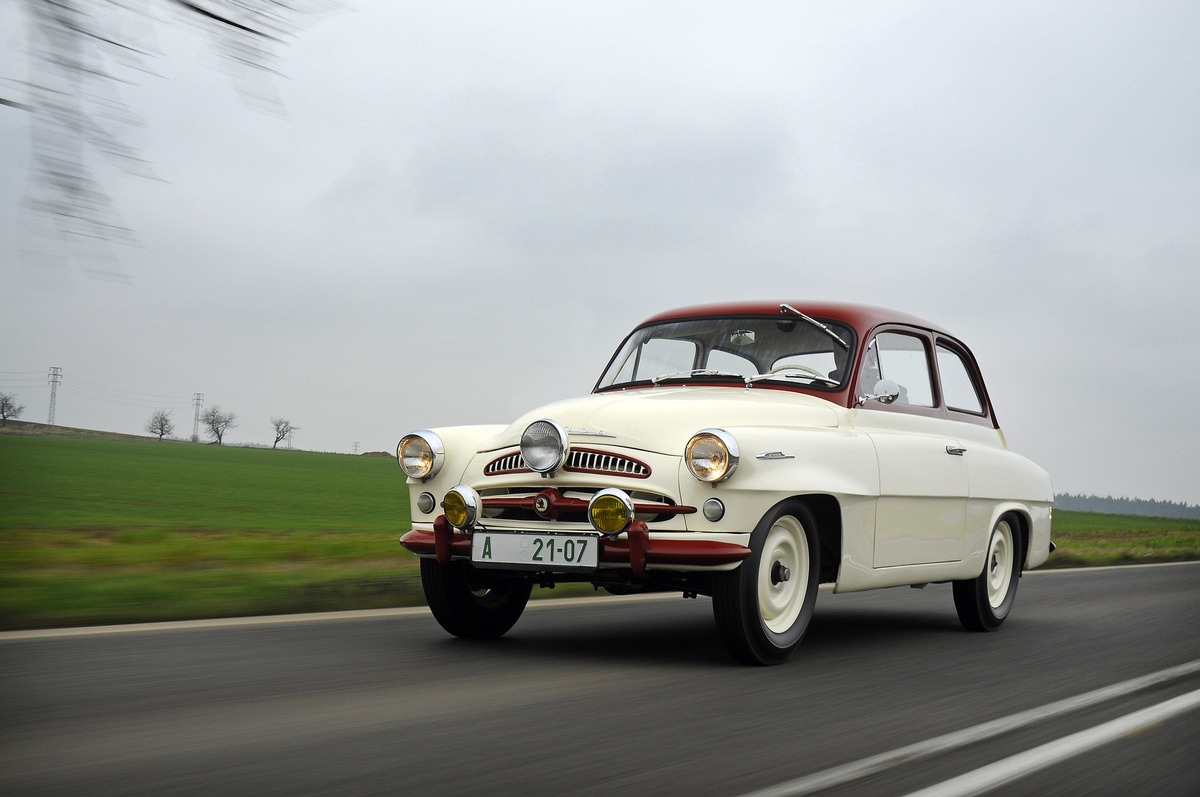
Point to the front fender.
(462, 443)
(779, 463)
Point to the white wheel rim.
(783, 575)
(999, 564)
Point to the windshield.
(782, 349)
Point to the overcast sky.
(466, 205)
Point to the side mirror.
(886, 391)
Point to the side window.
(903, 359)
(957, 385)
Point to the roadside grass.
(1087, 539)
(98, 530)
(103, 531)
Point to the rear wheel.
(984, 601)
(468, 607)
(763, 607)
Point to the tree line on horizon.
(1107, 505)
(216, 422)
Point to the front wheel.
(467, 607)
(984, 601)
(763, 607)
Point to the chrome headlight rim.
(626, 504)
(531, 447)
(424, 452)
(725, 443)
(466, 516)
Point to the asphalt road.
(628, 696)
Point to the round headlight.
(544, 446)
(610, 510)
(461, 506)
(421, 454)
(712, 455)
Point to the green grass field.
(127, 530)
(1086, 539)
(96, 530)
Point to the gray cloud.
(468, 205)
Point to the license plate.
(532, 550)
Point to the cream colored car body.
(911, 512)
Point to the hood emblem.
(774, 455)
(584, 431)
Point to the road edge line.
(1015, 767)
(856, 770)
(407, 611)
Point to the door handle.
(955, 451)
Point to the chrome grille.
(599, 462)
(580, 460)
(509, 463)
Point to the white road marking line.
(1023, 764)
(1046, 571)
(280, 619)
(855, 770)
(315, 617)
(217, 622)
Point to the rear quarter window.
(958, 387)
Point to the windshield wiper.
(787, 308)
(805, 373)
(694, 372)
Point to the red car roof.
(862, 318)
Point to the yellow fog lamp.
(610, 511)
(461, 506)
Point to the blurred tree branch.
(80, 53)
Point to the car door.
(921, 513)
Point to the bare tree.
(9, 408)
(283, 428)
(218, 423)
(160, 424)
(81, 52)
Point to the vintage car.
(745, 452)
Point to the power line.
(92, 389)
(150, 405)
(121, 393)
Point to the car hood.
(664, 419)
